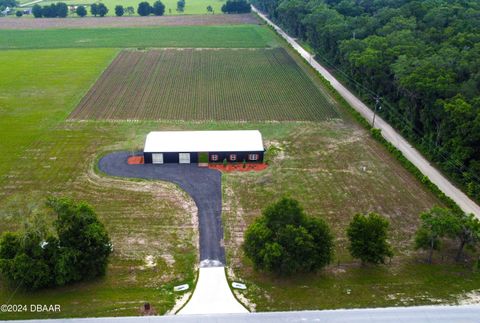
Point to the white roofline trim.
(204, 141)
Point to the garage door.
(184, 158)
(157, 158)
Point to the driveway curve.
(202, 184)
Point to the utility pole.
(377, 106)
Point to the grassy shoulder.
(231, 36)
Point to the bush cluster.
(78, 250)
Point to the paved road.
(212, 294)
(422, 314)
(203, 185)
(388, 132)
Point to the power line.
(459, 166)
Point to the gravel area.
(136, 21)
(203, 185)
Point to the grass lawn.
(191, 6)
(232, 36)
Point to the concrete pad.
(212, 295)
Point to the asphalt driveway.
(202, 184)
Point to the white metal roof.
(204, 141)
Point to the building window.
(233, 157)
(214, 157)
(253, 157)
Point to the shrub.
(19, 13)
(285, 241)
(130, 10)
(368, 238)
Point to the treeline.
(421, 57)
(60, 10)
(54, 10)
(236, 6)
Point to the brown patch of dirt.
(93, 22)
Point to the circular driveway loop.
(202, 184)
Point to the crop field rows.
(194, 84)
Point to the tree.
(236, 6)
(19, 13)
(368, 238)
(437, 223)
(61, 9)
(81, 11)
(467, 233)
(23, 261)
(144, 9)
(37, 11)
(285, 241)
(181, 5)
(102, 10)
(158, 8)
(119, 11)
(36, 258)
(130, 10)
(83, 236)
(209, 8)
(49, 11)
(94, 9)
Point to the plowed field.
(200, 84)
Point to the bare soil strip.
(94, 22)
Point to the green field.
(191, 6)
(237, 85)
(30, 105)
(234, 36)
